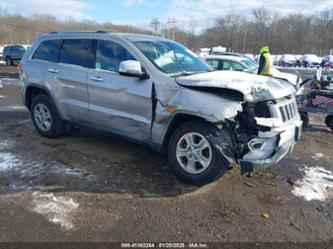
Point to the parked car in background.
(204, 52)
(310, 60)
(287, 60)
(13, 53)
(26, 46)
(156, 91)
(276, 60)
(298, 58)
(251, 56)
(237, 63)
(327, 61)
(257, 57)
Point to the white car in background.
(287, 60)
(310, 60)
(244, 64)
(204, 52)
(251, 56)
(276, 59)
(26, 46)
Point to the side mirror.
(132, 68)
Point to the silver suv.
(156, 91)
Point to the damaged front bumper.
(277, 147)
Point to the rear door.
(68, 78)
(118, 103)
(36, 64)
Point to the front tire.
(45, 117)
(193, 157)
(304, 118)
(329, 122)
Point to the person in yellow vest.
(265, 62)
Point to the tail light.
(20, 68)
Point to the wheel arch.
(32, 91)
(176, 121)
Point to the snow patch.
(58, 210)
(6, 144)
(57, 171)
(8, 161)
(317, 184)
(8, 81)
(75, 173)
(12, 108)
(318, 156)
(2, 97)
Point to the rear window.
(47, 51)
(18, 48)
(78, 52)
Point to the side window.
(238, 66)
(47, 51)
(109, 55)
(227, 65)
(231, 65)
(78, 52)
(213, 63)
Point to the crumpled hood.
(292, 78)
(253, 87)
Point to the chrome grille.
(288, 110)
(284, 110)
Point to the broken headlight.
(258, 93)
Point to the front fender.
(194, 103)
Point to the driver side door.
(118, 103)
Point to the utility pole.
(155, 23)
(173, 22)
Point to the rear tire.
(329, 122)
(208, 164)
(45, 117)
(9, 61)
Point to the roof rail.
(78, 31)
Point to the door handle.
(53, 70)
(97, 78)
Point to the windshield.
(172, 58)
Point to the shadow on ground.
(82, 161)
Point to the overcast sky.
(140, 12)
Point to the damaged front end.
(256, 117)
(266, 131)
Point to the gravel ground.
(90, 186)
